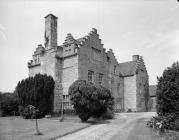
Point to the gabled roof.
(152, 90)
(128, 68)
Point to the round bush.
(90, 100)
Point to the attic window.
(114, 69)
(108, 59)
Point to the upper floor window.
(100, 78)
(91, 76)
(37, 59)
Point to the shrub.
(129, 110)
(168, 91)
(167, 99)
(109, 114)
(90, 100)
(175, 125)
(162, 122)
(37, 91)
(9, 104)
(30, 112)
(69, 111)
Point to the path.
(125, 126)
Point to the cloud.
(2, 34)
(163, 41)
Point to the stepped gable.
(92, 35)
(69, 39)
(110, 54)
(40, 49)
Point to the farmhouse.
(86, 58)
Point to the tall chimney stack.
(50, 31)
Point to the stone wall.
(90, 61)
(141, 90)
(142, 87)
(130, 93)
(115, 81)
(69, 73)
(105, 64)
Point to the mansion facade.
(86, 59)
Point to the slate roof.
(152, 90)
(128, 68)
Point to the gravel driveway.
(125, 126)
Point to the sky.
(149, 28)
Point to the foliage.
(9, 104)
(30, 112)
(36, 91)
(175, 124)
(129, 110)
(90, 100)
(168, 91)
(167, 100)
(109, 114)
(163, 122)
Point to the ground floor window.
(91, 76)
(100, 78)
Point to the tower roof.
(51, 15)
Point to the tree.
(37, 91)
(9, 104)
(89, 99)
(168, 91)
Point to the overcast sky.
(146, 27)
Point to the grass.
(17, 128)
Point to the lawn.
(17, 128)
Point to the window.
(114, 69)
(37, 59)
(66, 98)
(100, 78)
(90, 76)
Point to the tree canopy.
(89, 99)
(37, 91)
(168, 91)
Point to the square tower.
(50, 31)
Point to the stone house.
(86, 58)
